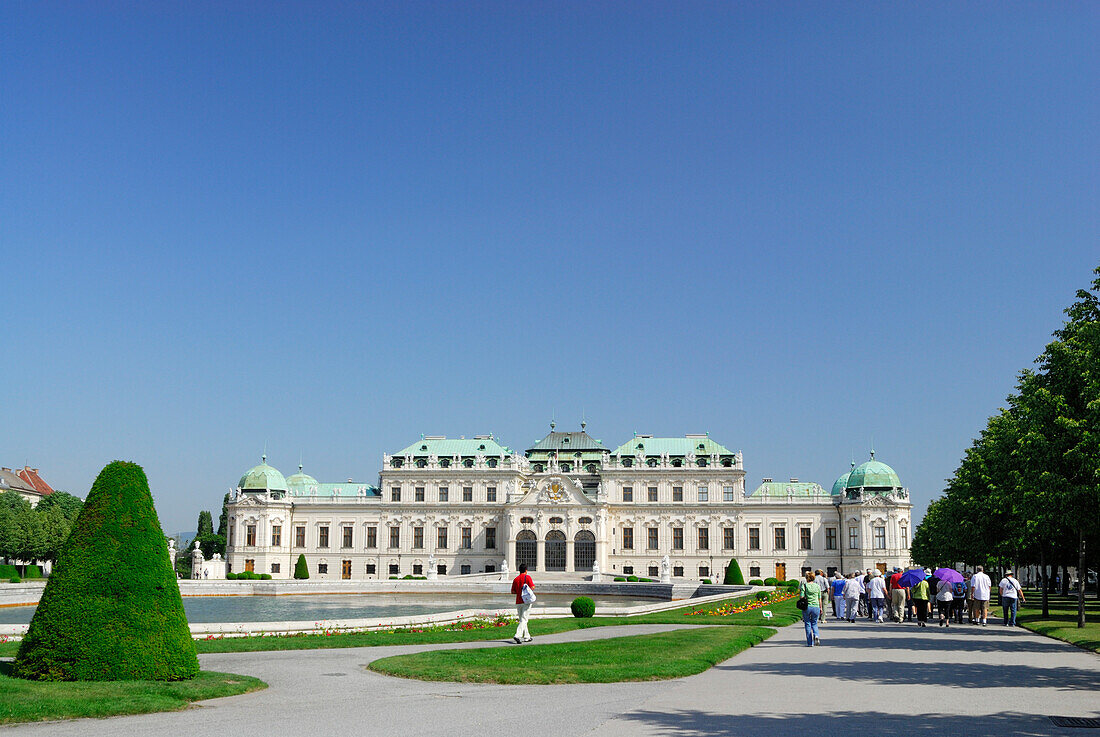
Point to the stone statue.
(432, 573)
(197, 559)
(504, 570)
(666, 570)
(596, 577)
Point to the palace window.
(653, 571)
(556, 520)
(677, 538)
(591, 468)
(704, 571)
(780, 538)
(394, 569)
(830, 538)
(677, 462)
(345, 569)
(652, 463)
(701, 462)
(727, 493)
(704, 494)
(467, 541)
(418, 569)
(585, 520)
(322, 536)
(300, 536)
(348, 536)
(677, 493)
(704, 538)
(628, 463)
(492, 463)
(628, 570)
(418, 494)
(491, 494)
(441, 538)
(372, 537)
(804, 538)
(468, 463)
(397, 463)
(880, 538)
(651, 538)
(537, 468)
(652, 493)
(628, 538)
(445, 463)
(490, 538)
(322, 568)
(441, 569)
(566, 467)
(904, 536)
(395, 494)
(418, 537)
(754, 571)
(678, 571)
(754, 538)
(467, 493)
(232, 529)
(628, 493)
(276, 568)
(395, 537)
(421, 463)
(727, 538)
(443, 492)
(371, 569)
(276, 535)
(250, 535)
(490, 568)
(853, 537)
(465, 569)
(527, 520)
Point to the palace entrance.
(584, 551)
(781, 571)
(555, 550)
(527, 550)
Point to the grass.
(638, 658)
(35, 701)
(784, 613)
(1062, 622)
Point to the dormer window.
(423, 447)
(701, 463)
(492, 463)
(481, 447)
(727, 463)
(538, 468)
(628, 462)
(396, 463)
(421, 463)
(676, 463)
(702, 447)
(565, 440)
(445, 463)
(641, 446)
(468, 463)
(566, 467)
(652, 463)
(591, 468)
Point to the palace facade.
(567, 503)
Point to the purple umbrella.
(948, 574)
(911, 578)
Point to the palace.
(568, 503)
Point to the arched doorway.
(527, 549)
(555, 550)
(584, 551)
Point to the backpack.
(958, 588)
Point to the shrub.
(733, 574)
(231, 577)
(301, 570)
(793, 585)
(756, 582)
(265, 576)
(619, 578)
(761, 595)
(111, 610)
(770, 581)
(792, 582)
(15, 579)
(632, 579)
(393, 578)
(7, 571)
(707, 581)
(582, 607)
(32, 571)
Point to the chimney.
(794, 480)
(765, 481)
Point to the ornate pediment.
(556, 491)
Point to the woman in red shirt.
(523, 608)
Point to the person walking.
(1011, 596)
(838, 595)
(823, 584)
(944, 596)
(897, 597)
(959, 603)
(980, 588)
(864, 579)
(876, 596)
(810, 615)
(851, 597)
(919, 593)
(523, 608)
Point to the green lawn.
(784, 613)
(1062, 623)
(638, 658)
(34, 701)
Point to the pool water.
(313, 608)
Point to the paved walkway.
(879, 679)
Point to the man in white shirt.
(980, 587)
(823, 584)
(1011, 594)
(851, 596)
(876, 596)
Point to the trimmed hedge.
(265, 576)
(756, 582)
(793, 585)
(619, 578)
(15, 579)
(32, 571)
(707, 581)
(771, 581)
(734, 577)
(231, 577)
(7, 571)
(583, 607)
(762, 595)
(632, 579)
(111, 610)
(301, 570)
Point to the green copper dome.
(840, 484)
(301, 481)
(261, 478)
(873, 475)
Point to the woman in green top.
(812, 612)
(919, 594)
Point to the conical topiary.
(734, 576)
(111, 610)
(301, 570)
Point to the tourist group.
(905, 596)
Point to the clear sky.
(329, 228)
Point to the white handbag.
(527, 594)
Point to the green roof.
(873, 475)
(263, 477)
(842, 482)
(789, 488)
(572, 441)
(700, 445)
(444, 447)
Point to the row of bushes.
(248, 576)
(635, 579)
(408, 577)
(9, 572)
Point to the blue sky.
(332, 227)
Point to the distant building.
(27, 482)
(566, 503)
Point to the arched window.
(584, 550)
(538, 468)
(555, 550)
(726, 462)
(591, 468)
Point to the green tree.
(223, 521)
(301, 570)
(31, 536)
(66, 502)
(205, 524)
(13, 501)
(55, 531)
(111, 609)
(9, 534)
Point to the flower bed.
(481, 622)
(732, 607)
